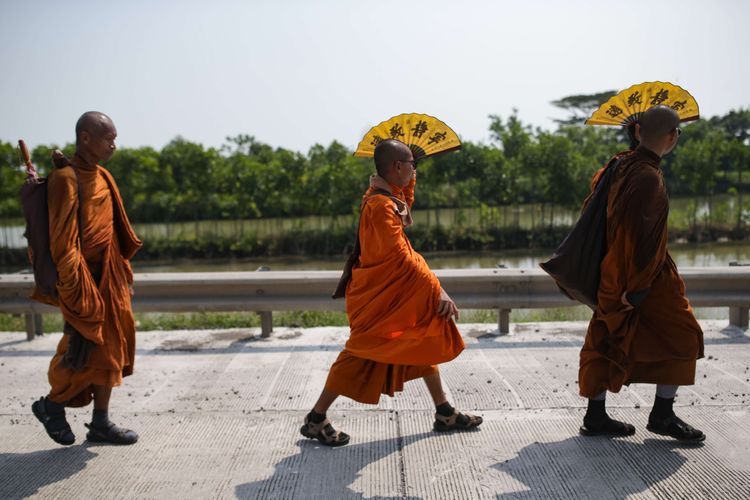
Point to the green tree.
(579, 107)
(513, 137)
(11, 179)
(145, 184)
(695, 164)
(336, 180)
(192, 168)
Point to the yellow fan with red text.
(627, 106)
(424, 134)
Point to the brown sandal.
(456, 422)
(54, 423)
(324, 432)
(673, 426)
(606, 427)
(110, 434)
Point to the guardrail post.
(738, 316)
(503, 321)
(266, 323)
(266, 317)
(39, 324)
(34, 325)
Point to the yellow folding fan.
(425, 135)
(627, 106)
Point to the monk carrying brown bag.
(36, 212)
(575, 265)
(353, 258)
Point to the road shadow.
(736, 334)
(597, 468)
(254, 344)
(12, 343)
(318, 471)
(24, 474)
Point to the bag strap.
(604, 181)
(353, 257)
(80, 208)
(376, 192)
(609, 172)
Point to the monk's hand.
(635, 299)
(447, 308)
(624, 299)
(130, 289)
(59, 160)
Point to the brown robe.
(658, 341)
(93, 285)
(391, 302)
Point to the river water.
(685, 255)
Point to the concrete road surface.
(219, 412)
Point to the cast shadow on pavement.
(586, 467)
(24, 474)
(318, 471)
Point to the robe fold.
(391, 302)
(659, 340)
(93, 281)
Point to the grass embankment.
(299, 319)
(309, 319)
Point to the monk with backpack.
(616, 261)
(90, 244)
(401, 319)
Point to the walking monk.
(643, 329)
(401, 319)
(90, 246)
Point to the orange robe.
(100, 312)
(391, 302)
(659, 341)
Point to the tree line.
(244, 178)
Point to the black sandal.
(110, 434)
(55, 424)
(607, 427)
(324, 432)
(456, 422)
(676, 428)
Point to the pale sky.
(296, 73)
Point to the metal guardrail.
(265, 292)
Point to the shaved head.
(388, 152)
(93, 122)
(95, 137)
(657, 122)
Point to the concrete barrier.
(264, 292)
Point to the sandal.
(456, 422)
(607, 427)
(110, 434)
(55, 424)
(675, 427)
(324, 432)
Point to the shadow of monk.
(585, 467)
(318, 471)
(24, 474)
